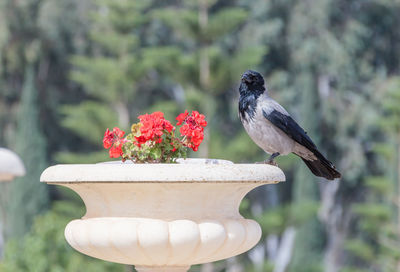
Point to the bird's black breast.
(247, 104)
(249, 95)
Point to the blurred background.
(71, 68)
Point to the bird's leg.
(270, 160)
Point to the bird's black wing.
(320, 167)
(290, 127)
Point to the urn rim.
(163, 173)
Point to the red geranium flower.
(119, 133)
(195, 119)
(153, 126)
(181, 118)
(108, 139)
(115, 151)
(199, 119)
(193, 128)
(114, 141)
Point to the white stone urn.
(162, 217)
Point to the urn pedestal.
(162, 217)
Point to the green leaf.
(156, 153)
(224, 21)
(380, 184)
(89, 120)
(360, 249)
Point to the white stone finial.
(11, 165)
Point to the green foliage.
(275, 221)
(379, 184)
(238, 149)
(354, 269)
(81, 157)
(266, 267)
(88, 116)
(167, 151)
(374, 211)
(390, 103)
(44, 248)
(360, 249)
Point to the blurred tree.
(33, 50)
(213, 56)
(133, 61)
(377, 244)
(358, 108)
(29, 196)
(116, 76)
(307, 31)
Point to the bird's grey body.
(266, 135)
(272, 128)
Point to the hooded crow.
(272, 128)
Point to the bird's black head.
(252, 82)
(251, 77)
(250, 89)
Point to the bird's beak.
(245, 79)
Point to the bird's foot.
(270, 162)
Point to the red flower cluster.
(152, 127)
(114, 141)
(193, 128)
(153, 139)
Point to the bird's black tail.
(321, 167)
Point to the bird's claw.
(273, 163)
